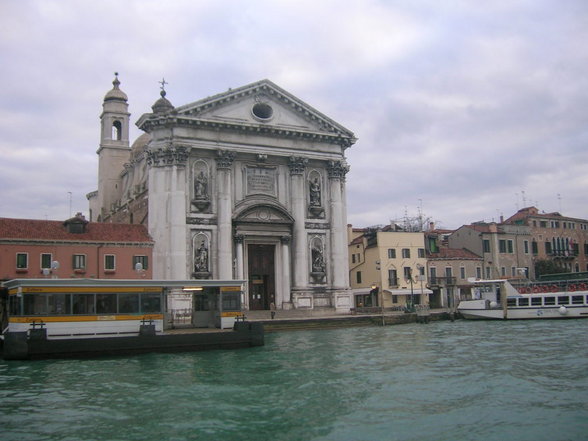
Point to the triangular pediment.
(262, 104)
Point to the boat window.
(536, 301)
(128, 303)
(524, 302)
(563, 300)
(35, 304)
(577, 300)
(59, 303)
(549, 301)
(105, 303)
(231, 301)
(150, 303)
(14, 305)
(511, 302)
(83, 303)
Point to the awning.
(406, 292)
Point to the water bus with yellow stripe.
(47, 318)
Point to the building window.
(79, 261)
(391, 253)
(486, 245)
(503, 271)
(433, 274)
(352, 258)
(46, 259)
(502, 246)
(448, 272)
(392, 277)
(422, 253)
(509, 246)
(526, 245)
(407, 273)
(534, 248)
(406, 253)
(513, 271)
(109, 262)
(478, 272)
(143, 260)
(547, 247)
(462, 274)
(358, 277)
(22, 260)
(488, 272)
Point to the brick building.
(74, 248)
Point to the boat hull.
(524, 313)
(23, 345)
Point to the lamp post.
(409, 279)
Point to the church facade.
(248, 184)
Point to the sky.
(464, 111)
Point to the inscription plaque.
(261, 180)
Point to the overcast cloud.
(465, 110)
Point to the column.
(297, 165)
(240, 273)
(286, 295)
(338, 261)
(224, 162)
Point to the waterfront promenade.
(327, 318)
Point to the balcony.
(442, 281)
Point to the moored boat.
(57, 318)
(544, 300)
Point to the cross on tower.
(163, 83)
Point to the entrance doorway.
(262, 279)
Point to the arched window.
(116, 131)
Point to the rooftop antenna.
(524, 198)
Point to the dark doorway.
(261, 276)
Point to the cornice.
(154, 122)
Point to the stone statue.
(201, 259)
(318, 262)
(201, 186)
(315, 193)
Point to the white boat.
(551, 300)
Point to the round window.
(263, 111)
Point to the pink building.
(74, 248)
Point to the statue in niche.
(201, 259)
(201, 202)
(318, 262)
(315, 193)
(201, 186)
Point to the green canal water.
(442, 381)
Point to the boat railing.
(551, 286)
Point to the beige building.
(505, 249)
(561, 239)
(248, 184)
(387, 267)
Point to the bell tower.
(114, 150)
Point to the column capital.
(169, 155)
(297, 165)
(337, 169)
(224, 158)
(238, 238)
(285, 240)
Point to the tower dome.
(115, 94)
(162, 105)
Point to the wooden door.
(261, 276)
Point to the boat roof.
(184, 284)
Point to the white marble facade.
(248, 184)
